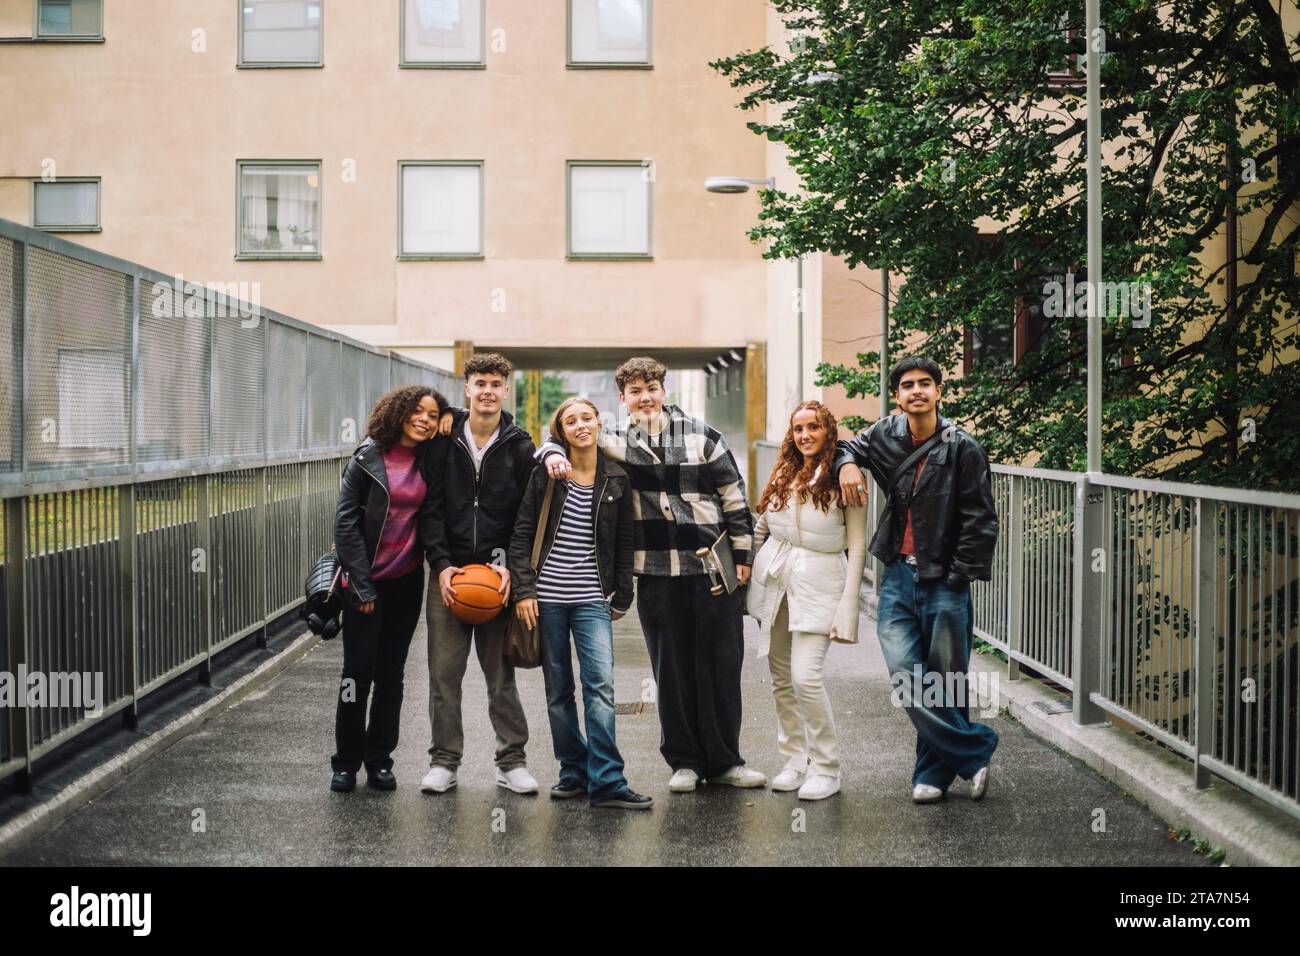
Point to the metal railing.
(1170, 607)
(169, 468)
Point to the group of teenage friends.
(633, 502)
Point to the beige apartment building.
(433, 176)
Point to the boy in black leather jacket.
(937, 536)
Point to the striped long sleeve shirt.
(687, 489)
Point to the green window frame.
(245, 64)
(569, 167)
(240, 253)
(575, 64)
(402, 254)
(405, 63)
(68, 227)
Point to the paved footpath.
(260, 774)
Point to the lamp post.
(738, 184)
(1092, 25)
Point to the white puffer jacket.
(800, 557)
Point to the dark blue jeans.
(593, 763)
(925, 631)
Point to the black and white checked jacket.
(687, 490)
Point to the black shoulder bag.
(911, 459)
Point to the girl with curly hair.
(388, 502)
(804, 593)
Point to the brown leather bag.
(524, 643)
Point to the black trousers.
(697, 645)
(374, 656)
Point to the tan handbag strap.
(541, 523)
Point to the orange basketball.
(477, 599)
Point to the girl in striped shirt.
(581, 585)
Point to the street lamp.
(1092, 26)
(738, 184)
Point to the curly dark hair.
(394, 408)
(791, 466)
(485, 363)
(642, 368)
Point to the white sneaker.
(924, 793)
(819, 787)
(791, 778)
(438, 780)
(741, 776)
(684, 781)
(518, 780)
(979, 784)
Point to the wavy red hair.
(791, 466)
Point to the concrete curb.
(49, 813)
(1251, 832)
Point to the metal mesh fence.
(323, 393)
(172, 419)
(156, 502)
(10, 354)
(77, 364)
(352, 391)
(376, 384)
(286, 390)
(238, 390)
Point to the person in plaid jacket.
(688, 490)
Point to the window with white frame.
(279, 210)
(69, 18)
(442, 33)
(280, 32)
(92, 377)
(609, 32)
(441, 210)
(609, 210)
(66, 205)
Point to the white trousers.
(805, 729)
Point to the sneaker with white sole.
(684, 781)
(518, 780)
(979, 784)
(819, 787)
(438, 780)
(924, 793)
(791, 778)
(741, 776)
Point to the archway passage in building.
(725, 385)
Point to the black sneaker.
(567, 790)
(381, 779)
(343, 781)
(627, 800)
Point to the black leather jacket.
(478, 510)
(612, 514)
(954, 519)
(363, 509)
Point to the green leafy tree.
(909, 122)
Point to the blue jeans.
(593, 763)
(925, 629)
